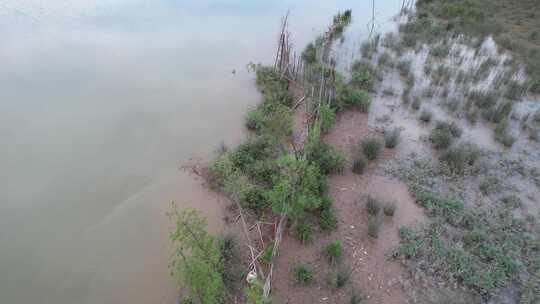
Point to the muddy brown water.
(100, 103)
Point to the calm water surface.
(100, 101)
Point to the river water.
(100, 103)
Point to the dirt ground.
(373, 274)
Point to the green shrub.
(326, 116)
(334, 251)
(266, 256)
(444, 133)
(374, 225)
(304, 232)
(302, 273)
(326, 157)
(328, 219)
(391, 138)
(254, 120)
(373, 205)
(389, 208)
(371, 147)
(359, 164)
(357, 98)
(252, 197)
(425, 116)
(489, 184)
(338, 278)
(309, 55)
(459, 157)
(356, 298)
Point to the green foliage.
(254, 293)
(324, 156)
(484, 248)
(373, 205)
(326, 116)
(298, 188)
(364, 75)
(303, 273)
(444, 133)
(304, 232)
(347, 97)
(391, 138)
(197, 260)
(359, 164)
(460, 157)
(309, 55)
(389, 208)
(328, 219)
(371, 147)
(334, 251)
(338, 278)
(266, 257)
(272, 86)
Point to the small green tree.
(197, 261)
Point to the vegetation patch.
(371, 147)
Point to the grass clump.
(389, 208)
(404, 67)
(425, 116)
(373, 205)
(371, 147)
(391, 138)
(359, 164)
(338, 278)
(304, 232)
(348, 97)
(326, 116)
(444, 134)
(334, 252)
(266, 256)
(440, 51)
(303, 274)
(460, 157)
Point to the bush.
(328, 219)
(334, 251)
(458, 158)
(373, 205)
(326, 157)
(359, 164)
(385, 60)
(309, 55)
(425, 116)
(349, 97)
(266, 257)
(444, 133)
(374, 225)
(303, 273)
(371, 147)
(338, 278)
(304, 233)
(391, 138)
(389, 208)
(326, 116)
(254, 120)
